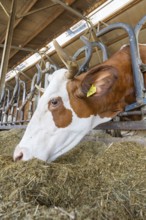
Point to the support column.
(7, 47)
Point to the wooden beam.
(19, 48)
(26, 7)
(35, 11)
(131, 4)
(57, 12)
(4, 9)
(73, 11)
(7, 47)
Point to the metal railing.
(18, 106)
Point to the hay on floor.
(93, 181)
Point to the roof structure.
(39, 22)
(27, 29)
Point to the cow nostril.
(19, 157)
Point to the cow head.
(67, 111)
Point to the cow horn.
(71, 65)
(42, 90)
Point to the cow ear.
(99, 82)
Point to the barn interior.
(103, 177)
(27, 30)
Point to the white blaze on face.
(54, 128)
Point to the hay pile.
(92, 181)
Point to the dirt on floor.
(102, 178)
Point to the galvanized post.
(7, 47)
(137, 74)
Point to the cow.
(73, 105)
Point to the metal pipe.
(15, 91)
(10, 86)
(51, 60)
(35, 81)
(88, 53)
(122, 125)
(15, 112)
(36, 78)
(138, 78)
(4, 105)
(137, 30)
(139, 26)
(132, 113)
(20, 112)
(8, 127)
(8, 96)
(20, 71)
(3, 116)
(16, 122)
(39, 74)
(103, 48)
(7, 47)
(22, 83)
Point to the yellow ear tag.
(91, 91)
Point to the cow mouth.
(19, 157)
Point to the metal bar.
(36, 80)
(7, 47)
(20, 71)
(132, 113)
(138, 78)
(4, 9)
(70, 9)
(4, 117)
(122, 125)
(15, 91)
(137, 30)
(51, 60)
(134, 105)
(23, 86)
(132, 125)
(15, 105)
(88, 53)
(10, 86)
(19, 48)
(35, 11)
(8, 127)
(14, 123)
(139, 26)
(103, 48)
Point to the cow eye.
(54, 103)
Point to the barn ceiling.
(38, 22)
(35, 30)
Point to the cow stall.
(16, 113)
(103, 177)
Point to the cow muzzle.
(21, 154)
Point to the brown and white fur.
(65, 114)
